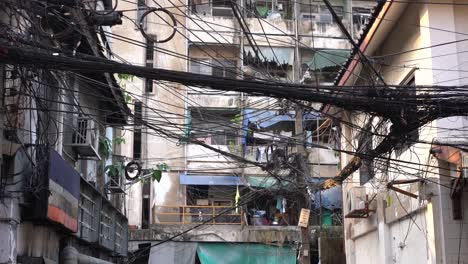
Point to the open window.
(214, 126)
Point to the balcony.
(196, 214)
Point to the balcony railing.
(196, 214)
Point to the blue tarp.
(268, 118)
(331, 198)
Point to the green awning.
(245, 253)
(262, 181)
(328, 58)
(269, 182)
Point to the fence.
(196, 214)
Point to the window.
(211, 7)
(141, 8)
(138, 117)
(224, 68)
(149, 62)
(366, 171)
(361, 15)
(214, 126)
(218, 67)
(317, 131)
(200, 66)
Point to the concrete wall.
(408, 230)
(134, 55)
(165, 102)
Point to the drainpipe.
(70, 255)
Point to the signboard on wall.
(304, 218)
(64, 187)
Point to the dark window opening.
(214, 126)
(145, 211)
(141, 9)
(149, 63)
(137, 135)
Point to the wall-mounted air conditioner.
(85, 138)
(357, 203)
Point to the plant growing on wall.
(105, 151)
(115, 170)
(156, 173)
(122, 78)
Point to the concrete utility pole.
(303, 170)
(301, 151)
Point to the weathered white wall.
(134, 55)
(429, 234)
(168, 98)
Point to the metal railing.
(196, 214)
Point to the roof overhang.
(386, 16)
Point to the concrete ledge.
(220, 233)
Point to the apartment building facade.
(285, 41)
(58, 205)
(411, 210)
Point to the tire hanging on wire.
(154, 10)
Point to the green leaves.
(156, 173)
(104, 148)
(125, 77)
(237, 119)
(119, 140)
(115, 170)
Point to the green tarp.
(328, 58)
(267, 182)
(244, 253)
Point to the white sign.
(304, 218)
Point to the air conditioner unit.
(357, 203)
(85, 138)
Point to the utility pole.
(301, 157)
(303, 170)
